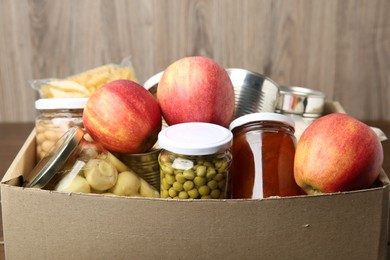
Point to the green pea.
(172, 193)
(222, 184)
(170, 179)
(180, 178)
(167, 168)
(183, 195)
(205, 197)
(201, 171)
(218, 177)
(200, 162)
(188, 185)
(193, 193)
(223, 167)
(177, 186)
(215, 194)
(164, 184)
(208, 164)
(163, 158)
(189, 174)
(211, 172)
(212, 184)
(164, 194)
(199, 181)
(218, 164)
(204, 190)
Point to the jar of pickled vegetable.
(263, 156)
(76, 163)
(55, 117)
(194, 161)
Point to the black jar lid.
(48, 167)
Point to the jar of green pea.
(194, 161)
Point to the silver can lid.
(300, 101)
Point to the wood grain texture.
(340, 47)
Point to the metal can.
(194, 161)
(145, 165)
(263, 156)
(55, 117)
(304, 102)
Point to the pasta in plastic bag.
(86, 83)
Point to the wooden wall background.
(340, 47)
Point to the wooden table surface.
(13, 135)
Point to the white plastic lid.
(195, 138)
(153, 81)
(261, 116)
(60, 103)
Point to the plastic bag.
(86, 83)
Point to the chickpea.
(47, 145)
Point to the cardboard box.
(41, 224)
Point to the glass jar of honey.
(263, 156)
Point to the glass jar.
(263, 156)
(194, 161)
(55, 117)
(76, 163)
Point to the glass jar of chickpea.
(55, 117)
(194, 161)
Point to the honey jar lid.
(60, 103)
(48, 167)
(261, 116)
(195, 138)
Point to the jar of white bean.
(55, 117)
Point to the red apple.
(196, 89)
(337, 153)
(123, 116)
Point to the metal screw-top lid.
(48, 167)
(261, 116)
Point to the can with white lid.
(263, 156)
(55, 117)
(194, 161)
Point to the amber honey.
(263, 156)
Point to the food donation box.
(46, 224)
